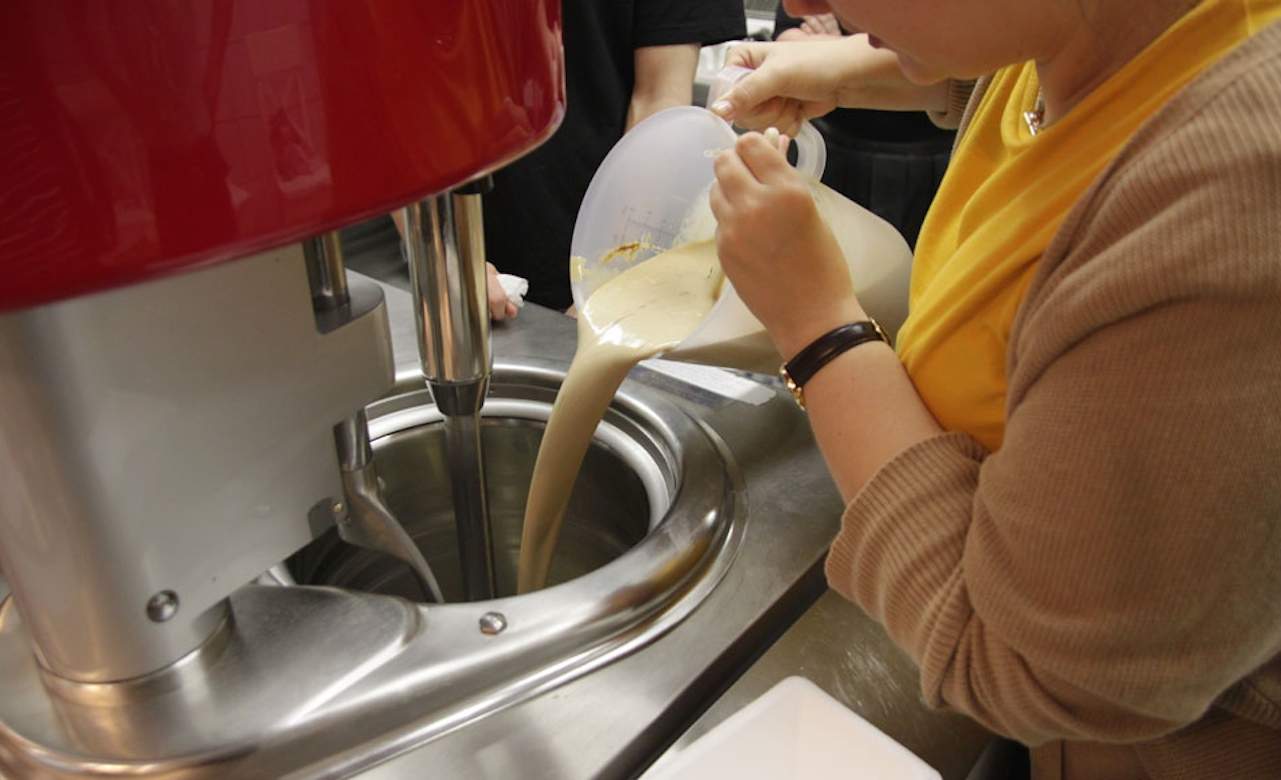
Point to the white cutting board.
(794, 730)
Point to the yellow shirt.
(1004, 196)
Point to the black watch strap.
(823, 350)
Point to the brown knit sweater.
(1107, 585)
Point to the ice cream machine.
(184, 364)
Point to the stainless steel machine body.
(366, 522)
(119, 553)
(444, 243)
(324, 682)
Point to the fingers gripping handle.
(724, 79)
(811, 150)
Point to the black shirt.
(529, 216)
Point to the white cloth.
(515, 287)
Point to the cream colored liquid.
(754, 352)
(642, 312)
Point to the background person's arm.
(666, 37)
(664, 78)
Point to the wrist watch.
(823, 350)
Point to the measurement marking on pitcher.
(656, 234)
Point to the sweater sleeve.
(1115, 567)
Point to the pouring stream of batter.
(644, 311)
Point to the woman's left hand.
(774, 246)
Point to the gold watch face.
(880, 332)
(791, 386)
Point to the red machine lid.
(148, 137)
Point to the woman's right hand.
(775, 247)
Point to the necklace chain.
(1036, 117)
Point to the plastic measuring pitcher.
(650, 194)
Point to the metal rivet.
(492, 623)
(162, 606)
(338, 507)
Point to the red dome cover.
(153, 136)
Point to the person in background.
(1064, 487)
(624, 60)
(889, 162)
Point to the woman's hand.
(500, 306)
(793, 81)
(775, 247)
